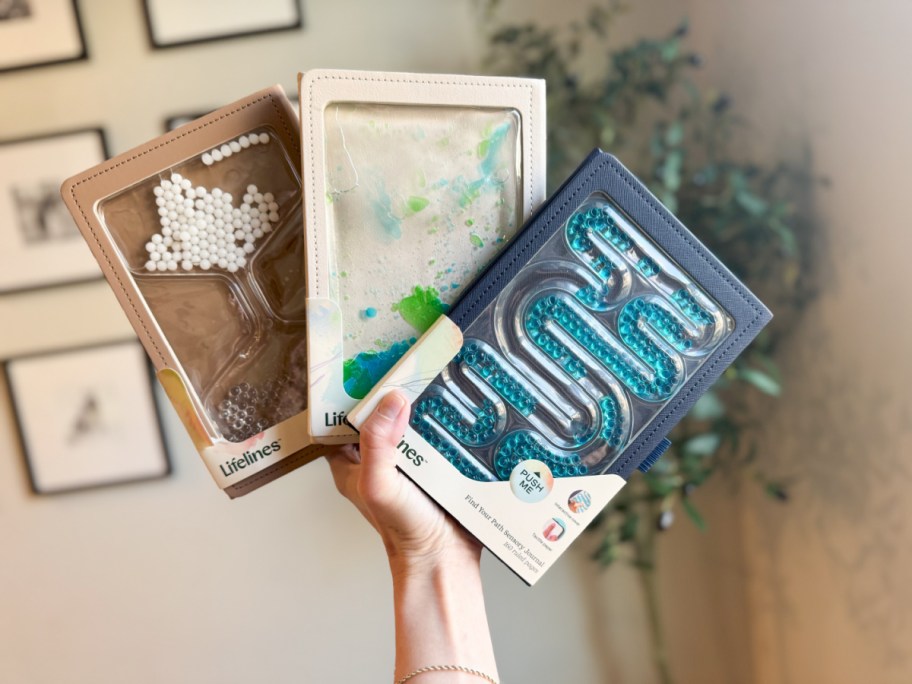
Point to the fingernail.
(391, 405)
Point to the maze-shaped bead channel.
(620, 339)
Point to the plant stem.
(645, 562)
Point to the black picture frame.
(24, 420)
(30, 159)
(50, 12)
(159, 42)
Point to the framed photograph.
(174, 22)
(87, 417)
(39, 32)
(41, 244)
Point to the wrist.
(461, 559)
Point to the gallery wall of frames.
(69, 412)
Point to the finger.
(344, 473)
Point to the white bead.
(232, 256)
(207, 199)
(186, 255)
(172, 215)
(222, 253)
(223, 263)
(247, 198)
(150, 246)
(216, 156)
(264, 138)
(257, 233)
(170, 205)
(216, 192)
(205, 264)
(268, 197)
(267, 228)
(160, 265)
(251, 189)
(186, 184)
(254, 139)
(244, 141)
(220, 233)
(273, 206)
(159, 201)
(158, 191)
(188, 212)
(258, 198)
(248, 248)
(207, 159)
(249, 238)
(166, 232)
(166, 185)
(255, 223)
(160, 247)
(172, 265)
(237, 223)
(238, 234)
(162, 211)
(176, 178)
(157, 239)
(274, 216)
(195, 259)
(186, 265)
(150, 265)
(226, 198)
(235, 146)
(225, 150)
(245, 209)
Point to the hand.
(417, 533)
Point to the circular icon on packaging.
(554, 529)
(579, 501)
(531, 481)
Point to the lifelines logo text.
(237, 464)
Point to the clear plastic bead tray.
(200, 235)
(600, 333)
(216, 251)
(415, 183)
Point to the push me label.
(531, 481)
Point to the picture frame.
(42, 246)
(106, 426)
(37, 33)
(172, 23)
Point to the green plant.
(642, 103)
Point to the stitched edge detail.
(127, 292)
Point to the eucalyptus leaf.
(694, 514)
(703, 445)
(761, 381)
(708, 407)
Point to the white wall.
(829, 572)
(169, 581)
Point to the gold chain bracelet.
(446, 668)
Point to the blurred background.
(773, 545)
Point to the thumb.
(380, 435)
(382, 431)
